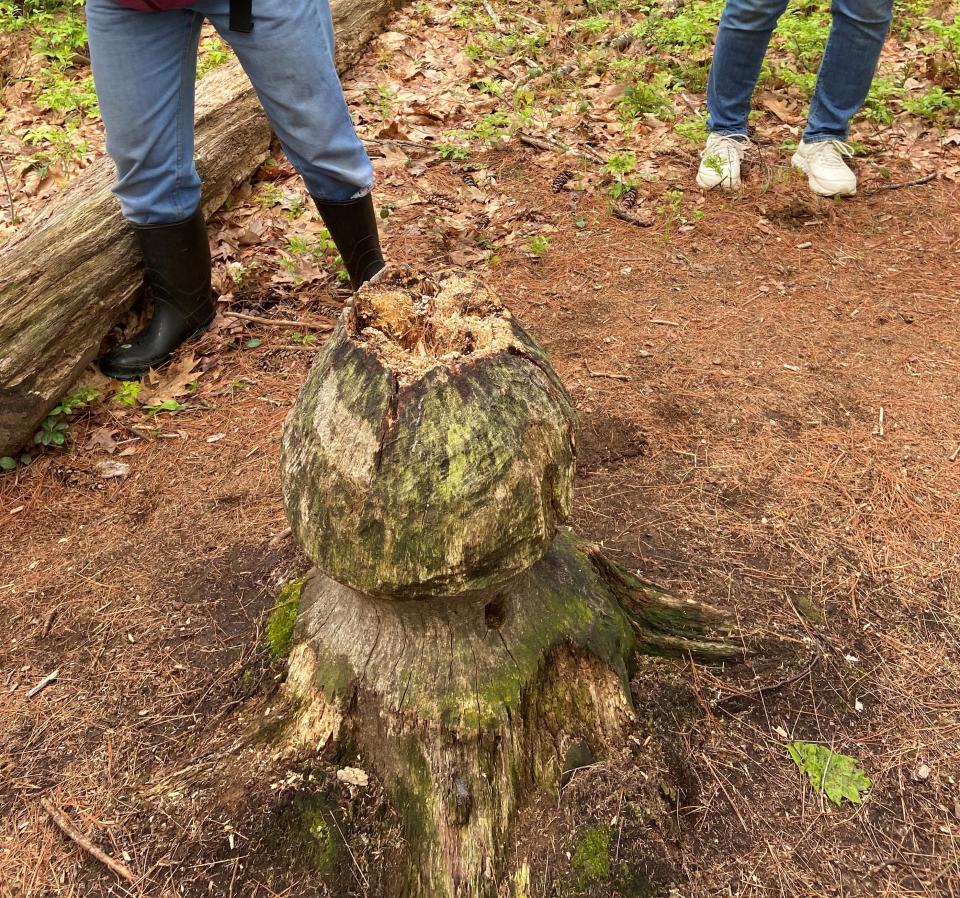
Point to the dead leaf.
(781, 110)
(177, 381)
(102, 438)
(111, 469)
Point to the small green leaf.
(7, 463)
(253, 343)
(834, 775)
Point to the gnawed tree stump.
(70, 274)
(452, 632)
(428, 454)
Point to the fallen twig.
(46, 681)
(956, 454)
(665, 322)
(609, 374)
(13, 209)
(548, 143)
(916, 182)
(64, 825)
(763, 690)
(493, 16)
(279, 322)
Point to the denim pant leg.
(144, 67)
(849, 63)
(289, 57)
(742, 40)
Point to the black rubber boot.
(353, 228)
(176, 261)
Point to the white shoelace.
(726, 147)
(830, 152)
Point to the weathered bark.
(405, 486)
(472, 693)
(465, 707)
(72, 272)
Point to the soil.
(768, 401)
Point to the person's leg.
(849, 63)
(289, 57)
(742, 40)
(144, 67)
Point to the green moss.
(282, 619)
(321, 840)
(591, 859)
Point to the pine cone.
(444, 202)
(560, 181)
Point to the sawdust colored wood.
(70, 274)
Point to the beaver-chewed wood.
(464, 707)
(429, 458)
(431, 450)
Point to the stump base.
(464, 707)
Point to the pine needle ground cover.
(767, 396)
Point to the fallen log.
(469, 647)
(72, 272)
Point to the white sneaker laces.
(829, 152)
(725, 147)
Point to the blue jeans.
(849, 63)
(144, 67)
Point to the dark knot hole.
(495, 612)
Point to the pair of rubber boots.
(176, 260)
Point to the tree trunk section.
(73, 271)
(465, 685)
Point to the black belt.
(241, 16)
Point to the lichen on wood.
(431, 450)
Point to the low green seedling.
(837, 776)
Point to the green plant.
(538, 246)
(693, 129)
(213, 54)
(128, 394)
(55, 429)
(452, 151)
(830, 773)
(593, 25)
(303, 339)
(877, 107)
(620, 164)
(934, 105)
(9, 463)
(57, 144)
(168, 405)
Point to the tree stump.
(453, 631)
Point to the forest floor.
(767, 386)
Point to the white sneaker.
(826, 171)
(720, 162)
